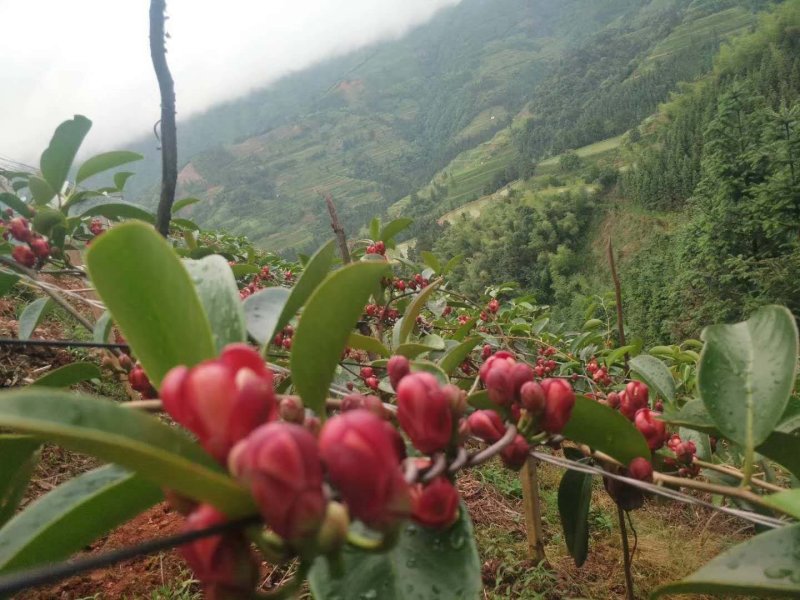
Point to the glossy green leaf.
(243, 269)
(617, 354)
(403, 328)
(19, 457)
(57, 160)
(15, 203)
(115, 210)
(430, 260)
(151, 297)
(324, 327)
(137, 441)
(73, 515)
(766, 565)
(655, 374)
(592, 324)
(102, 328)
(603, 428)
(69, 375)
(216, 286)
(424, 565)
(262, 312)
(40, 190)
(574, 499)
(456, 355)
(7, 281)
(392, 229)
(375, 228)
(183, 203)
(314, 273)
(451, 264)
(32, 315)
(367, 343)
(121, 178)
(104, 162)
(746, 374)
(787, 502)
(46, 219)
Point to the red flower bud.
(424, 412)
(398, 367)
(613, 399)
(653, 430)
(280, 463)
(486, 352)
(222, 400)
(493, 305)
(363, 463)
(435, 505)
(532, 397)
(19, 229)
(372, 383)
(223, 563)
(291, 409)
(367, 372)
(629, 405)
(487, 425)
(516, 453)
(641, 469)
(638, 394)
(141, 383)
(521, 373)
(24, 256)
(559, 400)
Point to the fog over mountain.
(92, 57)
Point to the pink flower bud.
(532, 397)
(363, 464)
(222, 563)
(487, 425)
(40, 247)
(398, 367)
(637, 395)
(559, 400)
(486, 351)
(521, 373)
(141, 383)
(613, 399)
(498, 380)
(24, 256)
(280, 463)
(291, 409)
(436, 504)
(19, 229)
(516, 453)
(424, 412)
(222, 400)
(653, 430)
(641, 469)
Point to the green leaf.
(456, 355)
(111, 210)
(262, 313)
(314, 273)
(616, 355)
(787, 502)
(375, 228)
(592, 324)
(746, 374)
(102, 328)
(424, 565)
(766, 565)
(121, 178)
(185, 224)
(451, 264)
(20, 456)
(216, 286)
(16, 203)
(69, 374)
(140, 442)
(73, 515)
(151, 297)
(574, 498)
(32, 315)
(414, 349)
(603, 428)
(46, 219)
(104, 162)
(431, 261)
(57, 160)
(7, 281)
(183, 203)
(368, 343)
(324, 327)
(403, 328)
(40, 190)
(243, 269)
(392, 229)
(655, 374)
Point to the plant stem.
(626, 554)
(618, 295)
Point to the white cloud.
(92, 57)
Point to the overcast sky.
(91, 57)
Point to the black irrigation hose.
(16, 582)
(62, 344)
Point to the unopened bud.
(291, 409)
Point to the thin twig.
(626, 554)
(341, 238)
(618, 294)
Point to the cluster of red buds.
(493, 306)
(264, 278)
(377, 248)
(283, 339)
(34, 248)
(96, 227)
(415, 283)
(463, 319)
(539, 406)
(382, 313)
(367, 375)
(685, 452)
(599, 374)
(307, 480)
(634, 403)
